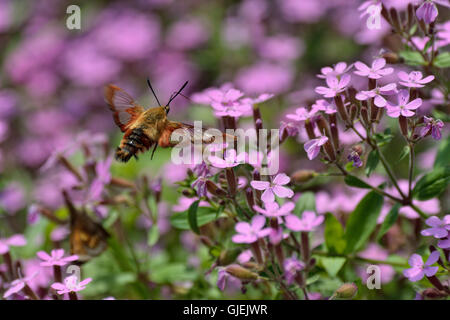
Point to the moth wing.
(125, 109)
(188, 133)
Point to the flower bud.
(365, 115)
(346, 291)
(353, 112)
(403, 122)
(309, 126)
(227, 256)
(206, 241)
(341, 108)
(385, 14)
(411, 17)
(231, 179)
(359, 149)
(334, 131)
(188, 193)
(241, 273)
(433, 293)
(395, 20)
(214, 189)
(300, 176)
(249, 197)
(391, 57)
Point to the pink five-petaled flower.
(291, 266)
(308, 222)
(312, 147)
(301, 114)
(339, 69)
(434, 125)
(413, 79)
(56, 258)
(404, 107)
(376, 93)
(274, 187)
(19, 284)
(375, 72)
(229, 103)
(272, 209)
(70, 284)
(419, 269)
(251, 232)
(16, 240)
(335, 85)
(231, 159)
(439, 228)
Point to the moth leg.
(154, 149)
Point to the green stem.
(361, 259)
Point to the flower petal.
(260, 185)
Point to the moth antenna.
(153, 91)
(177, 93)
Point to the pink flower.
(56, 258)
(251, 232)
(427, 12)
(444, 244)
(404, 107)
(413, 79)
(301, 114)
(231, 159)
(376, 93)
(229, 103)
(324, 105)
(312, 147)
(308, 222)
(339, 69)
(70, 284)
(374, 251)
(224, 279)
(274, 210)
(335, 85)
(274, 187)
(375, 72)
(245, 256)
(18, 285)
(16, 240)
(419, 269)
(259, 99)
(432, 125)
(291, 266)
(439, 228)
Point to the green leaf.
(332, 264)
(443, 154)
(334, 234)
(362, 221)
(192, 217)
(412, 58)
(372, 162)
(353, 181)
(205, 215)
(432, 184)
(442, 60)
(383, 138)
(389, 221)
(153, 235)
(404, 153)
(306, 202)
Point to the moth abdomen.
(133, 143)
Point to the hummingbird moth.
(88, 238)
(143, 128)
